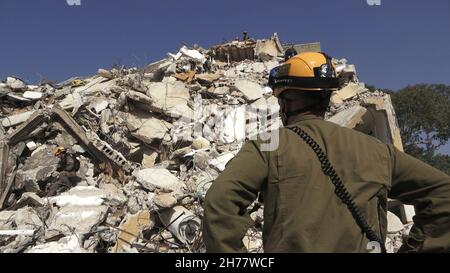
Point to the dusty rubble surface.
(121, 161)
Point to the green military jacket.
(302, 212)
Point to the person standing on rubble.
(325, 187)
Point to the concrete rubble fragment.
(158, 178)
(121, 161)
(182, 223)
(252, 91)
(69, 244)
(131, 229)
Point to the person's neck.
(294, 119)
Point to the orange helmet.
(307, 71)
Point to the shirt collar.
(300, 118)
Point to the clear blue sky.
(398, 43)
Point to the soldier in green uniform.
(325, 187)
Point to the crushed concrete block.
(149, 158)
(32, 95)
(38, 167)
(139, 97)
(30, 198)
(193, 54)
(158, 178)
(113, 194)
(267, 49)
(221, 161)
(16, 119)
(394, 223)
(89, 196)
(99, 105)
(147, 128)
(350, 90)
(105, 73)
(170, 98)
(31, 145)
(26, 219)
(409, 213)
(251, 90)
(230, 127)
(15, 83)
(349, 117)
(207, 77)
(4, 89)
(220, 91)
(76, 219)
(258, 67)
(164, 200)
(200, 143)
(131, 229)
(69, 244)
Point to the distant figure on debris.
(325, 187)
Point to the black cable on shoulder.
(340, 189)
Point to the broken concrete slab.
(69, 244)
(149, 158)
(76, 219)
(30, 199)
(105, 73)
(139, 97)
(200, 143)
(158, 178)
(38, 167)
(170, 98)
(230, 126)
(16, 119)
(350, 90)
(32, 95)
(349, 117)
(15, 83)
(394, 223)
(220, 162)
(207, 78)
(131, 228)
(147, 128)
(220, 91)
(90, 196)
(4, 89)
(164, 200)
(251, 90)
(113, 194)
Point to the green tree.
(423, 113)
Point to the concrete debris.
(252, 91)
(165, 200)
(17, 119)
(158, 178)
(221, 161)
(182, 223)
(70, 244)
(147, 128)
(32, 95)
(105, 73)
(394, 223)
(15, 83)
(79, 218)
(170, 98)
(90, 164)
(130, 230)
(349, 117)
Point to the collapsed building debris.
(121, 161)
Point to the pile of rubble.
(121, 161)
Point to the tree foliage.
(423, 113)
